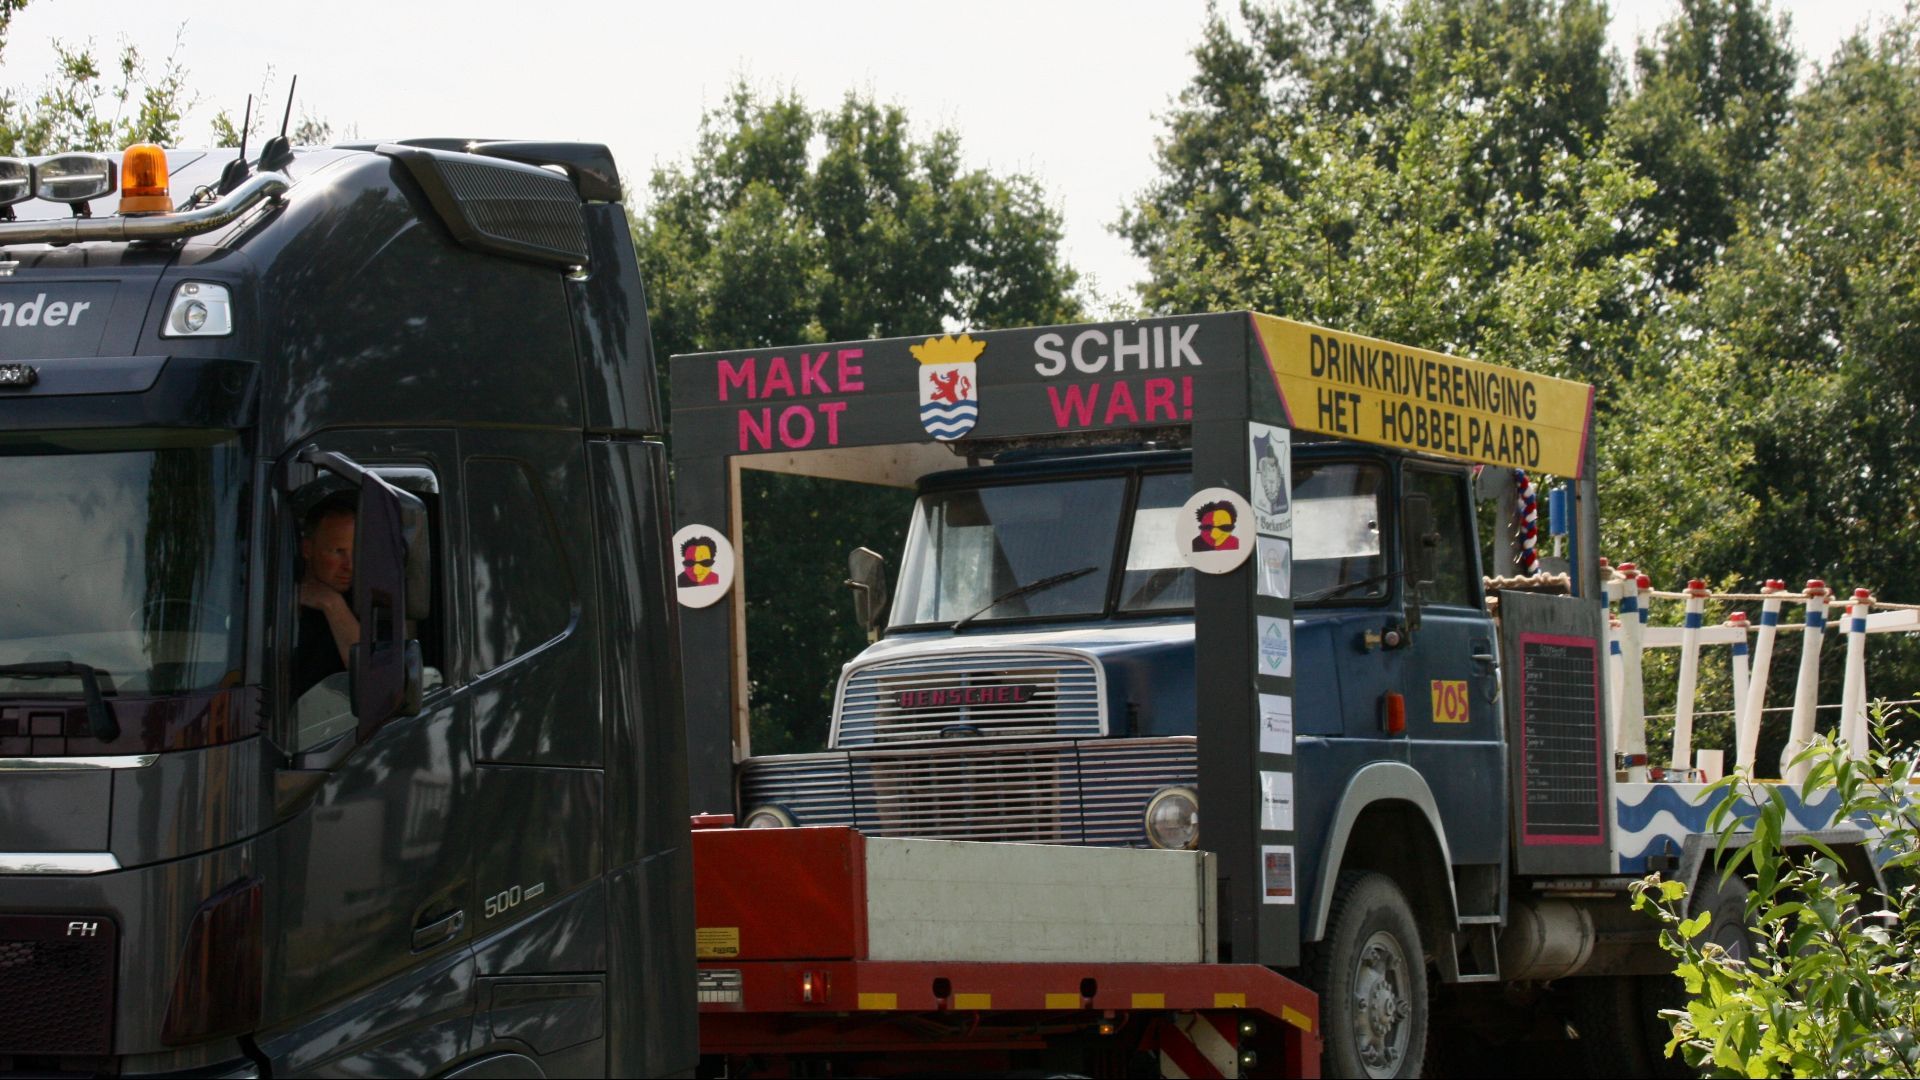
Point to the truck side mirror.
(409, 481)
(867, 577)
(386, 666)
(1418, 543)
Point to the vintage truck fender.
(1376, 783)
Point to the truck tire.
(1613, 1024)
(1371, 975)
(1728, 902)
(1727, 929)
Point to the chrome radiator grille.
(1030, 694)
(1092, 791)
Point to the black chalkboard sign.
(1560, 741)
(1557, 740)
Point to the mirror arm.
(332, 461)
(863, 598)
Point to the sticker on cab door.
(1450, 701)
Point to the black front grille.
(56, 980)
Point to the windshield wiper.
(99, 718)
(1335, 590)
(1023, 590)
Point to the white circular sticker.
(705, 559)
(1214, 531)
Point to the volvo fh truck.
(338, 720)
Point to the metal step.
(1472, 954)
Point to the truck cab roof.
(430, 281)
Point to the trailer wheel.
(1728, 901)
(1728, 928)
(1613, 1024)
(1371, 975)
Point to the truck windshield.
(123, 553)
(966, 547)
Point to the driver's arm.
(340, 621)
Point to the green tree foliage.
(1711, 97)
(94, 103)
(1829, 987)
(793, 225)
(1297, 68)
(1419, 245)
(1792, 373)
(1727, 255)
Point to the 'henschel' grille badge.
(994, 694)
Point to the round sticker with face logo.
(1214, 531)
(704, 565)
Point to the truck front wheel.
(1371, 975)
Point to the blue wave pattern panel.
(1655, 819)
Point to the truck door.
(377, 903)
(1452, 677)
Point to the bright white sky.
(1070, 93)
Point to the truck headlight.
(199, 309)
(1173, 819)
(767, 817)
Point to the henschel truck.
(1227, 561)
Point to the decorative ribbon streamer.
(1529, 523)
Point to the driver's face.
(329, 552)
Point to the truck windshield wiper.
(99, 718)
(1335, 590)
(1024, 590)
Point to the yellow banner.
(1362, 388)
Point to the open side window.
(1156, 577)
(367, 628)
(1338, 523)
(1455, 581)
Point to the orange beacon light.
(143, 181)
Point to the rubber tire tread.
(1607, 1011)
(1727, 900)
(1357, 896)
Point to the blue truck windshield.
(127, 560)
(1045, 549)
(965, 548)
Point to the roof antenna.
(278, 151)
(236, 171)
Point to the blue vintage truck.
(1228, 561)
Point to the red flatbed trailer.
(790, 981)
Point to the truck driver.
(328, 629)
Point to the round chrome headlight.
(1173, 819)
(767, 817)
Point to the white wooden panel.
(901, 465)
(1896, 621)
(1668, 637)
(954, 900)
